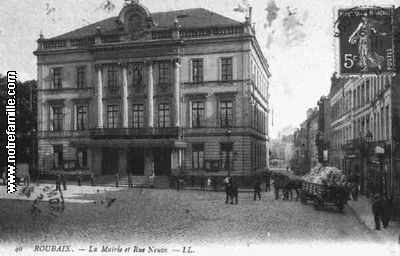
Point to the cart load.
(325, 185)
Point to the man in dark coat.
(257, 188)
(79, 178)
(64, 181)
(377, 210)
(130, 183)
(234, 192)
(386, 211)
(202, 183)
(58, 182)
(267, 182)
(116, 179)
(92, 179)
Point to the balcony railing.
(62, 134)
(136, 133)
(155, 35)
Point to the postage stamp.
(365, 40)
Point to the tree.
(26, 120)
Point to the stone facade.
(149, 93)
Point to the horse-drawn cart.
(321, 195)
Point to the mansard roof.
(188, 18)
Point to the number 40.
(349, 60)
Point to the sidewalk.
(362, 210)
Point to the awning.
(135, 143)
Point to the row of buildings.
(356, 128)
(154, 93)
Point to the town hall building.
(146, 93)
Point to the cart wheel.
(318, 205)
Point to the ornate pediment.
(136, 19)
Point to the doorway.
(162, 161)
(135, 161)
(109, 161)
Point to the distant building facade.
(165, 93)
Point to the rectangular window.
(138, 115)
(58, 118)
(163, 115)
(226, 113)
(197, 68)
(112, 76)
(137, 74)
(367, 92)
(197, 113)
(81, 77)
(57, 78)
(57, 156)
(82, 158)
(163, 73)
(81, 117)
(226, 69)
(198, 156)
(112, 116)
(227, 155)
(354, 99)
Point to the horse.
(280, 183)
(293, 185)
(287, 185)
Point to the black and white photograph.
(200, 127)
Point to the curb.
(361, 221)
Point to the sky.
(295, 36)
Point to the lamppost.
(228, 156)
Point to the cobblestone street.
(169, 216)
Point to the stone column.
(99, 97)
(124, 96)
(177, 67)
(150, 93)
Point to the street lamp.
(228, 156)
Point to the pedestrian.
(116, 179)
(257, 188)
(214, 183)
(386, 212)
(228, 188)
(181, 182)
(234, 193)
(58, 181)
(64, 181)
(377, 210)
(130, 180)
(202, 183)
(92, 179)
(355, 184)
(209, 181)
(268, 182)
(178, 183)
(79, 178)
(192, 180)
